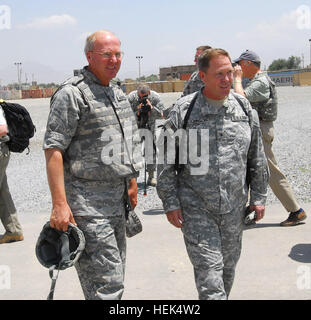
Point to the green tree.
(152, 77)
(283, 64)
(293, 62)
(279, 64)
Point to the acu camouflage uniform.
(262, 95)
(194, 84)
(213, 202)
(80, 113)
(155, 114)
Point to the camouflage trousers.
(101, 266)
(213, 243)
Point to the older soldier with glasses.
(208, 205)
(86, 190)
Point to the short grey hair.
(90, 40)
(89, 43)
(143, 89)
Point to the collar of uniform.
(258, 76)
(206, 108)
(91, 76)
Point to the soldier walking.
(208, 203)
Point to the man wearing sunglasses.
(86, 189)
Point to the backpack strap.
(179, 167)
(187, 116)
(249, 115)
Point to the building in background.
(177, 72)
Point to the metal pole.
(310, 51)
(139, 58)
(18, 64)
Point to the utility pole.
(310, 51)
(19, 73)
(139, 58)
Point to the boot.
(294, 218)
(6, 238)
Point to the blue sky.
(52, 34)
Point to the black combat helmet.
(59, 250)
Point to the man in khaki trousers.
(8, 215)
(261, 93)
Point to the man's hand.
(149, 103)
(175, 218)
(61, 216)
(260, 211)
(61, 213)
(237, 73)
(132, 191)
(237, 78)
(3, 130)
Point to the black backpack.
(21, 127)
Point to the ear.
(202, 75)
(89, 56)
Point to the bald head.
(98, 35)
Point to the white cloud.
(52, 22)
(279, 38)
(279, 28)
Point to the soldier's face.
(218, 78)
(103, 66)
(246, 67)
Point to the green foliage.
(283, 64)
(151, 78)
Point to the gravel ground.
(292, 147)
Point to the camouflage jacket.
(82, 124)
(194, 84)
(228, 140)
(155, 100)
(262, 95)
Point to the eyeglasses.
(109, 55)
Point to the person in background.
(262, 95)
(8, 214)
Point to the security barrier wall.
(158, 86)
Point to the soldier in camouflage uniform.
(208, 201)
(86, 189)
(195, 83)
(8, 215)
(261, 93)
(154, 101)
